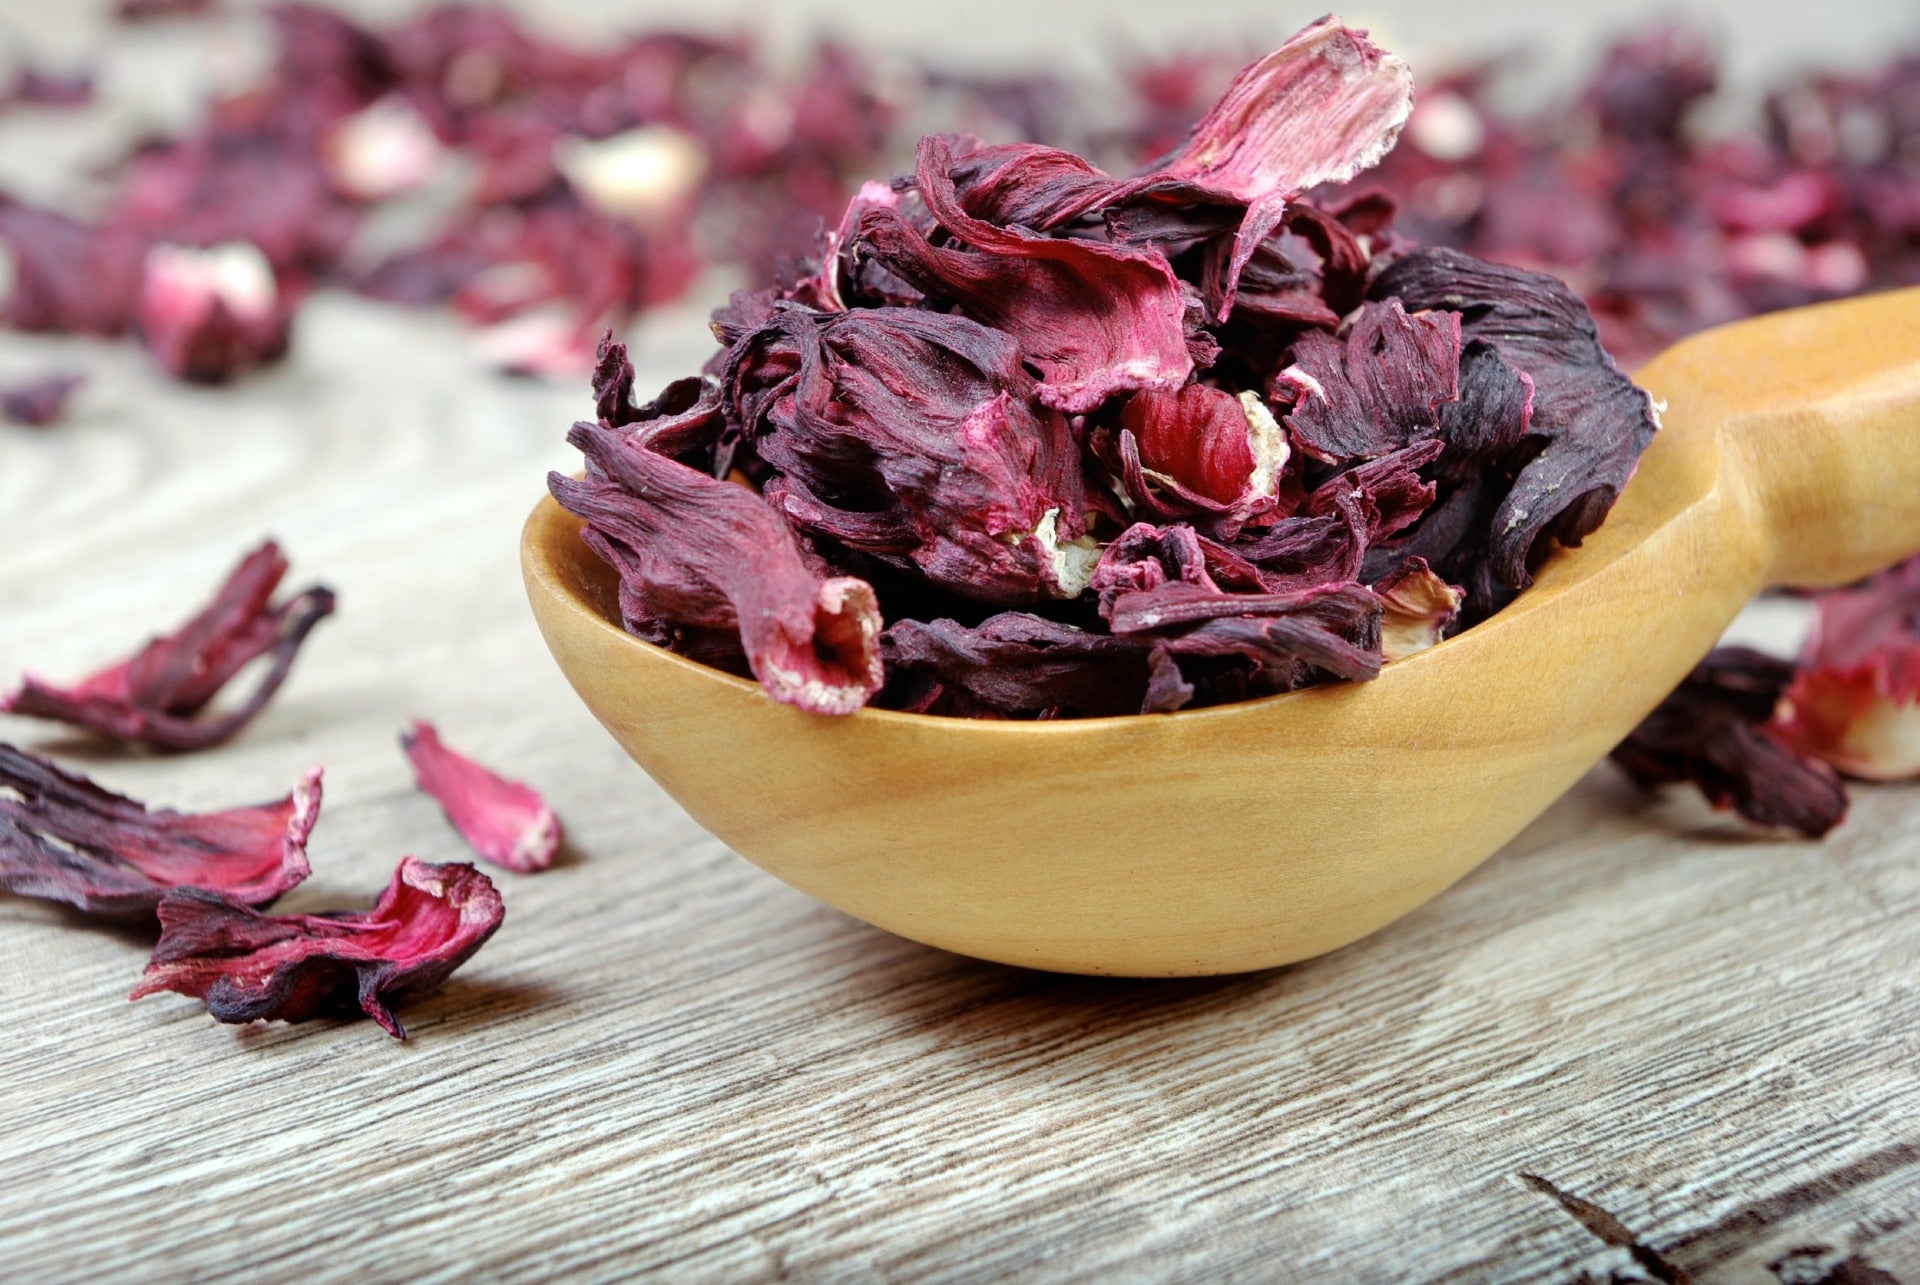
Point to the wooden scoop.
(1250, 835)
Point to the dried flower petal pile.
(1091, 445)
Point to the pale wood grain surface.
(667, 1060)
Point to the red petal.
(65, 839)
(153, 697)
(251, 967)
(504, 821)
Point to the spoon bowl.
(1256, 834)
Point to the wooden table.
(1639, 1043)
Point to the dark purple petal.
(913, 437)
(1095, 319)
(1155, 586)
(1714, 731)
(41, 401)
(251, 967)
(1020, 663)
(1377, 388)
(1589, 422)
(63, 838)
(695, 551)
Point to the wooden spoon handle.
(1819, 426)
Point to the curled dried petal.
(1377, 389)
(693, 550)
(156, 697)
(1020, 663)
(911, 436)
(1322, 107)
(1714, 730)
(64, 838)
(1589, 422)
(506, 822)
(1855, 697)
(1095, 319)
(252, 967)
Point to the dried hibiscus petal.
(695, 551)
(1156, 587)
(913, 437)
(39, 402)
(1321, 108)
(63, 838)
(209, 315)
(1588, 421)
(156, 696)
(1019, 663)
(1715, 730)
(251, 967)
(1376, 390)
(1095, 319)
(1855, 697)
(504, 821)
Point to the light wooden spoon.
(1250, 835)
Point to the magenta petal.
(1095, 319)
(153, 698)
(504, 821)
(1017, 663)
(1589, 421)
(696, 552)
(253, 967)
(912, 437)
(1321, 108)
(64, 838)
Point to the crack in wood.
(1610, 1230)
(1721, 1240)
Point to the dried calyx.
(63, 838)
(1089, 444)
(504, 821)
(1771, 738)
(159, 696)
(249, 966)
